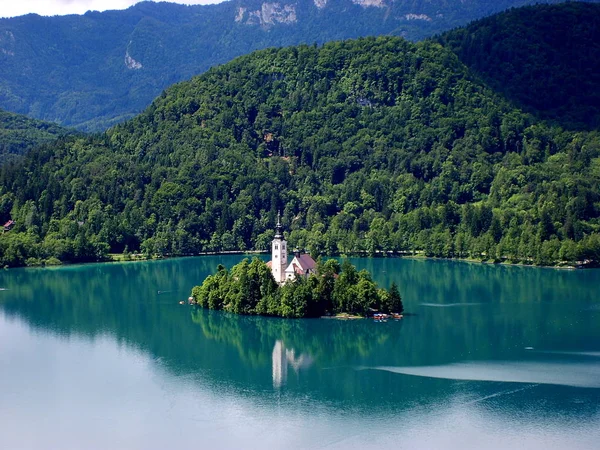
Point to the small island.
(302, 288)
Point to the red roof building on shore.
(8, 225)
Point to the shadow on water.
(469, 339)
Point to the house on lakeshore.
(302, 264)
(8, 225)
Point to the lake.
(104, 356)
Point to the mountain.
(98, 69)
(19, 134)
(545, 58)
(370, 145)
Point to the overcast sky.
(11, 8)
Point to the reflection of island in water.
(282, 358)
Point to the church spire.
(278, 253)
(278, 227)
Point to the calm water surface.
(103, 356)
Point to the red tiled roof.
(302, 264)
(306, 262)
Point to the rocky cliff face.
(370, 3)
(7, 42)
(268, 14)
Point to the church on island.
(302, 264)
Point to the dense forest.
(249, 288)
(366, 146)
(553, 51)
(19, 134)
(94, 70)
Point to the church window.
(276, 247)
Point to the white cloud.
(11, 8)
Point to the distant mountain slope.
(365, 146)
(18, 134)
(546, 58)
(98, 69)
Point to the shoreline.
(501, 263)
(118, 257)
(139, 257)
(135, 257)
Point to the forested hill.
(364, 145)
(98, 69)
(546, 58)
(18, 134)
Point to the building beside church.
(302, 264)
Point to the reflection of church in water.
(283, 358)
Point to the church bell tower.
(279, 253)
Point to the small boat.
(380, 317)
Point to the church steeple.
(278, 227)
(278, 253)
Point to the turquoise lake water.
(104, 356)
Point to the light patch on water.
(585, 375)
(569, 353)
(449, 305)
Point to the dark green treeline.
(19, 134)
(249, 288)
(546, 58)
(365, 146)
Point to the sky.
(11, 8)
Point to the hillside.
(95, 70)
(365, 146)
(18, 134)
(545, 58)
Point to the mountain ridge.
(98, 69)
